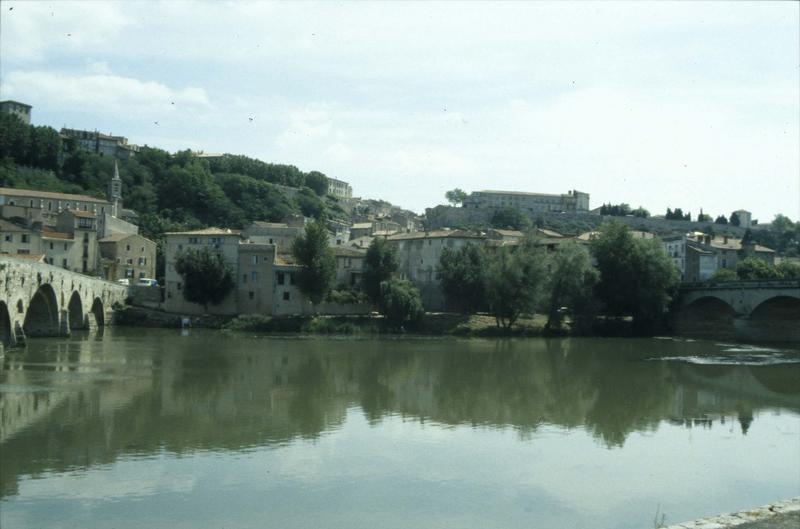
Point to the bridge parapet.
(38, 299)
(754, 310)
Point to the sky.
(690, 105)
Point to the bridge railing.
(741, 284)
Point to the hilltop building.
(745, 218)
(21, 110)
(339, 188)
(529, 202)
(104, 144)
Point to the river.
(163, 429)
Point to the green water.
(151, 428)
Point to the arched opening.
(75, 309)
(707, 316)
(41, 319)
(98, 313)
(5, 324)
(776, 319)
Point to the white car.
(146, 282)
(124, 281)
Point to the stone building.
(693, 262)
(97, 142)
(745, 218)
(21, 110)
(19, 240)
(528, 202)
(419, 253)
(281, 234)
(45, 206)
(127, 256)
(339, 188)
(349, 266)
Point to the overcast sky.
(662, 105)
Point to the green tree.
(401, 303)
(570, 284)
(788, 270)
(462, 275)
(380, 264)
(735, 221)
(510, 219)
(637, 278)
(515, 278)
(704, 217)
(317, 263)
(721, 220)
(755, 268)
(455, 196)
(723, 275)
(318, 182)
(207, 278)
(309, 203)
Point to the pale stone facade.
(528, 202)
(21, 110)
(339, 188)
(419, 253)
(105, 144)
(127, 256)
(44, 206)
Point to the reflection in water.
(82, 402)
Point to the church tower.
(115, 192)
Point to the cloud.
(103, 92)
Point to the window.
(180, 286)
(244, 278)
(129, 272)
(142, 261)
(24, 252)
(26, 238)
(270, 241)
(254, 276)
(280, 278)
(286, 296)
(291, 278)
(142, 250)
(9, 237)
(127, 247)
(192, 240)
(117, 257)
(64, 262)
(254, 259)
(129, 261)
(141, 274)
(65, 246)
(251, 294)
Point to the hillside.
(168, 191)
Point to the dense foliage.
(316, 260)
(207, 278)
(462, 275)
(380, 264)
(623, 210)
(401, 303)
(455, 196)
(510, 219)
(515, 281)
(570, 285)
(677, 214)
(637, 277)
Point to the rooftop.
(119, 236)
(7, 191)
(344, 251)
(6, 226)
(207, 231)
(82, 214)
(441, 234)
(47, 233)
(15, 102)
(39, 258)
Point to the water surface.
(149, 428)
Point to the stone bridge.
(38, 299)
(767, 310)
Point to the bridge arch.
(42, 317)
(5, 324)
(98, 312)
(776, 319)
(707, 315)
(75, 311)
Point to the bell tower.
(115, 192)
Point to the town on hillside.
(101, 237)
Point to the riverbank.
(780, 515)
(432, 324)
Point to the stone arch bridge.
(38, 299)
(767, 310)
